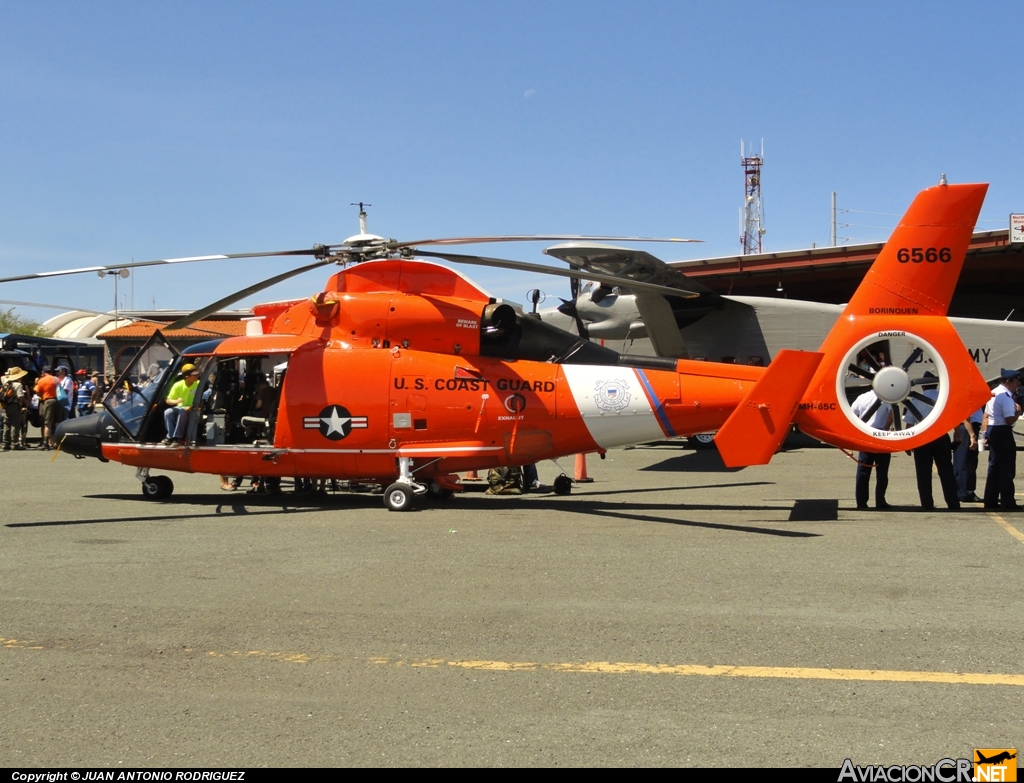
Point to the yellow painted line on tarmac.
(18, 644)
(1007, 526)
(691, 670)
(606, 667)
(265, 655)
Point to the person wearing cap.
(49, 408)
(1001, 414)
(180, 400)
(878, 416)
(965, 456)
(939, 452)
(14, 400)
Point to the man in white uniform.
(881, 419)
(1002, 412)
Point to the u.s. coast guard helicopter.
(405, 373)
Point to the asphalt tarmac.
(671, 612)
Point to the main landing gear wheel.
(562, 485)
(157, 488)
(398, 497)
(703, 440)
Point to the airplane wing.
(656, 311)
(627, 264)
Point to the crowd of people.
(954, 459)
(54, 397)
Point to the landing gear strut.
(400, 495)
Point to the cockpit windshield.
(132, 396)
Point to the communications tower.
(752, 214)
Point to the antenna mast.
(752, 215)
(362, 215)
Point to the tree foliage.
(11, 323)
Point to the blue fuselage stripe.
(659, 409)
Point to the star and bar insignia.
(335, 422)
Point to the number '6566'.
(919, 254)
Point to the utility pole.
(832, 236)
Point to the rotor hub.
(891, 384)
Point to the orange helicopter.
(404, 373)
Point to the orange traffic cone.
(580, 472)
(472, 476)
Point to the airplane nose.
(83, 435)
(568, 307)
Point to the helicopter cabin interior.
(236, 398)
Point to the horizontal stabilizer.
(758, 425)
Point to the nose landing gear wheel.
(157, 488)
(398, 497)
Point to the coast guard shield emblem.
(611, 396)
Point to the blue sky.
(144, 130)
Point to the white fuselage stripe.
(613, 405)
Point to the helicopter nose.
(83, 435)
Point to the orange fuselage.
(350, 413)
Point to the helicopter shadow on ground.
(212, 507)
(583, 492)
(659, 513)
(238, 506)
(699, 461)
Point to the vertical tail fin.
(917, 270)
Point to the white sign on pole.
(1017, 228)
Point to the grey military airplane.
(702, 324)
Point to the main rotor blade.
(522, 266)
(160, 261)
(68, 309)
(531, 238)
(220, 304)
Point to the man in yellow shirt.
(180, 399)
